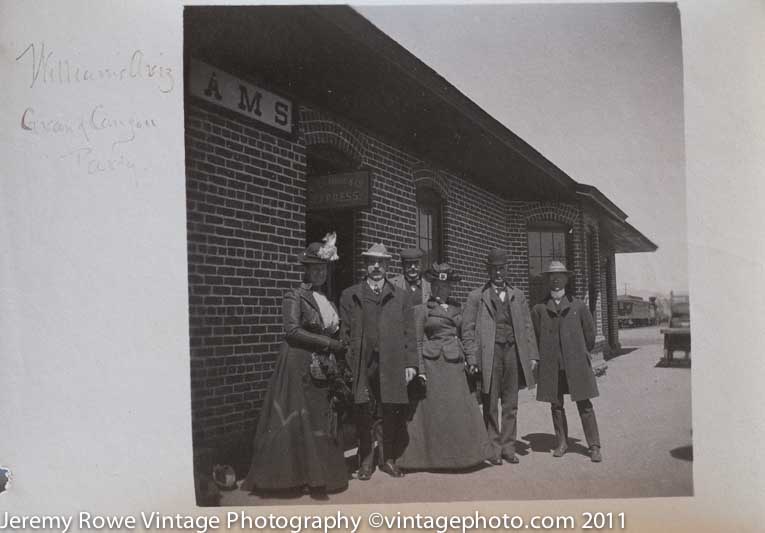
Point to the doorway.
(340, 272)
(322, 160)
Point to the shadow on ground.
(619, 353)
(546, 443)
(683, 362)
(683, 452)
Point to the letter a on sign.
(212, 87)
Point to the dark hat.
(442, 272)
(497, 256)
(556, 267)
(411, 254)
(311, 254)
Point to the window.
(429, 226)
(546, 243)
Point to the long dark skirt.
(447, 430)
(294, 443)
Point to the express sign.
(337, 191)
(221, 88)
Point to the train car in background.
(634, 311)
(677, 336)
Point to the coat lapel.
(356, 293)
(486, 297)
(565, 305)
(552, 310)
(307, 295)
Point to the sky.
(595, 88)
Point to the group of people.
(404, 359)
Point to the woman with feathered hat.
(297, 443)
(446, 430)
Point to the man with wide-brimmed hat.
(566, 333)
(411, 280)
(497, 333)
(378, 325)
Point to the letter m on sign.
(251, 106)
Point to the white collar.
(557, 295)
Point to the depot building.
(303, 120)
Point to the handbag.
(323, 367)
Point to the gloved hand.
(535, 369)
(337, 347)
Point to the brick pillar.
(578, 252)
(613, 327)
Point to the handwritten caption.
(49, 68)
(95, 139)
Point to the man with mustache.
(377, 322)
(411, 280)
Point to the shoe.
(595, 456)
(392, 469)
(496, 461)
(511, 458)
(560, 451)
(364, 474)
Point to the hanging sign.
(339, 191)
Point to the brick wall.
(475, 223)
(592, 231)
(246, 215)
(393, 217)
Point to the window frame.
(432, 242)
(537, 286)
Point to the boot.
(595, 456)
(560, 424)
(589, 423)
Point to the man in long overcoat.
(566, 333)
(378, 325)
(498, 337)
(411, 279)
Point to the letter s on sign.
(281, 109)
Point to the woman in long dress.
(297, 444)
(446, 430)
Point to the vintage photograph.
(423, 238)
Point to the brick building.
(304, 120)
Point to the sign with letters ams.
(221, 88)
(338, 191)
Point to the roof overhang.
(624, 238)
(334, 59)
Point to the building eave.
(622, 236)
(333, 58)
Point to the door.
(322, 160)
(318, 224)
